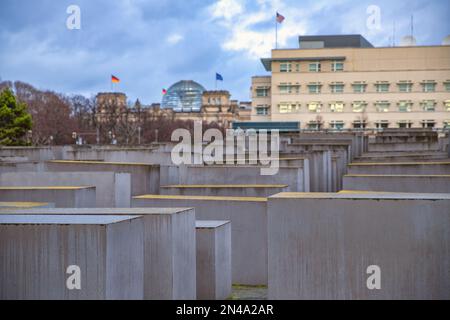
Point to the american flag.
(280, 18)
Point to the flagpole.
(276, 33)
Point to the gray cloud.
(129, 39)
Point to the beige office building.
(343, 82)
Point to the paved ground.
(241, 292)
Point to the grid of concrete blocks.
(110, 222)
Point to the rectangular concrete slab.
(322, 244)
(144, 176)
(112, 190)
(213, 259)
(398, 183)
(399, 168)
(249, 232)
(232, 190)
(26, 205)
(38, 250)
(295, 177)
(62, 197)
(169, 247)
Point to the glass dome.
(184, 96)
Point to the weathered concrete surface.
(169, 247)
(144, 177)
(26, 205)
(112, 190)
(21, 166)
(213, 259)
(36, 251)
(249, 232)
(32, 153)
(398, 183)
(321, 244)
(232, 190)
(403, 157)
(399, 168)
(296, 178)
(412, 146)
(62, 197)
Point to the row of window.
(382, 124)
(315, 66)
(357, 87)
(361, 106)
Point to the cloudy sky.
(150, 44)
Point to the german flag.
(114, 79)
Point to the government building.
(184, 100)
(344, 82)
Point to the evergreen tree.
(15, 121)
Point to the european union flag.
(219, 77)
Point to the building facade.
(202, 105)
(343, 82)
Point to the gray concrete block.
(295, 177)
(403, 157)
(26, 205)
(232, 190)
(403, 168)
(112, 190)
(249, 232)
(412, 146)
(321, 244)
(169, 247)
(144, 177)
(37, 250)
(398, 183)
(213, 259)
(62, 197)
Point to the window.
(428, 86)
(447, 85)
(285, 107)
(404, 124)
(447, 105)
(405, 86)
(314, 87)
(297, 67)
(382, 106)
(337, 66)
(359, 87)
(314, 107)
(262, 92)
(405, 106)
(262, 110)
(287, 88)
(359, 106)
(428, 105)
(337, 107)
(383, 124)
(446, 124)
(337, 125)
(428, 123)
(314, 67)
(382, 86)
(285, 67)
(358, 124)
(337, 88)
(313, 125)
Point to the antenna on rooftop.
(393, 34)
(409, 41)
